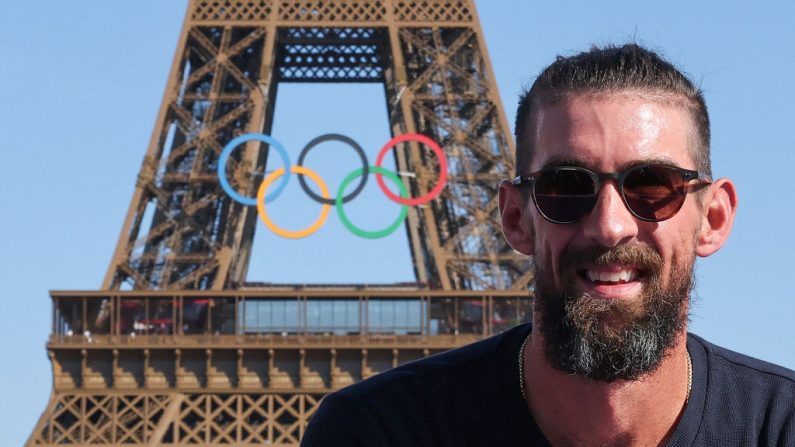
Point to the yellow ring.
(298, 234)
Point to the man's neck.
(572, 410)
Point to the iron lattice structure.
(176, 349)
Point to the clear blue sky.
(81, 83)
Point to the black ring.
(349, 142)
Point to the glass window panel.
(98, 313)
(249, 312)
(223, 315)
(132, 316)
(394, 316)
(509, 312)
(275, 315)
(333, 316)
(290, 317)
(414, 315)
(413, 321)
(442, 316)
(401, 315)
(340, 323)
(326, 316)
(352, 317)
(271, 316)
(470, 315)
(194, 315)
(70, 316)
(160, 318)
(312, 315)
(374, 314)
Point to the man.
(614, 199)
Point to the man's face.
(612, 290)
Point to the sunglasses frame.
(599, 178)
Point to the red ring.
(442, 168)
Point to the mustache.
(639, 255)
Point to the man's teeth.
(619, 276)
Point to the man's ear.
(719, 208)
(515, 227)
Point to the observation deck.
(278, 339)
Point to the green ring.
(404, 210)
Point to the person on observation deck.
(614, 199)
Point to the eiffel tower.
(176, 348)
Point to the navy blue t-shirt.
(470, 396)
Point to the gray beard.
(608, 340)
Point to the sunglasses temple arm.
(704, 178)
(519, 180)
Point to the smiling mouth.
(611, 275)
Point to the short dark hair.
(606, 70)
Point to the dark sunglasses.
(651, 192)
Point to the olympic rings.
(222, 160)
(261, 198)
(371, 234)
(264, 216)
(348, 141)
(442, 169)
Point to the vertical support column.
(234, 262)
(421, 223)
(126, 237)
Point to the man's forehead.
(623, 130)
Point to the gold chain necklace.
(689, 376)
(521, 365)
(521, 370)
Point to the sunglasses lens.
(564, 195)
(654, 193)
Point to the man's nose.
(610, 223)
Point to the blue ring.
(224, 158)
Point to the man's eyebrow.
(565, 161)
(656, 160)
(588, 163)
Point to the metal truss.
(345, 11)
(176, 419)
(168, 353)
(331, 55)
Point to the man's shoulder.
(741, 365)
(745, 401)
(432, 401)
